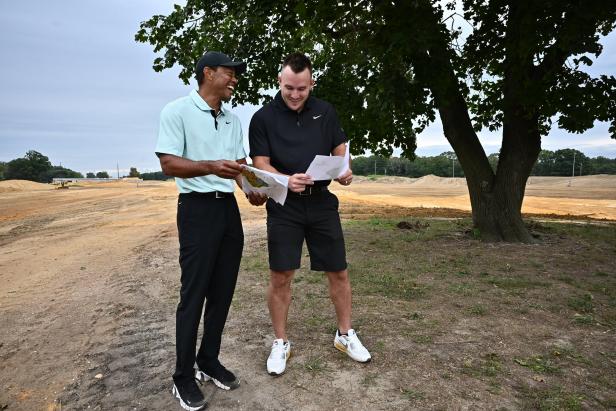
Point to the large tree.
(34, 166)
(390, 66)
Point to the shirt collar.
(202, 104)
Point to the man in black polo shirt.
(285, 135)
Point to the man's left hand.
(346, 178)
(256, 199)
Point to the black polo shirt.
(291, 139)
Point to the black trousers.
(211, 242)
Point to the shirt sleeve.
(336, 135)
(170, 133)
(257, 137)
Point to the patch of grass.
(592, 232)
(584, 319)
(539, 364)
(463, 289)
(431, 229)
(255, 263)
(605, 287)
(314, 277)
(582, 303)
(509, 283)
(411, 394)
(315, 365)
(422, 339)
(601, 274)
(478, 309)
(567, 280)
(316, 321)
(552, 399)
(494, 388)
(536, 264)
(369, 379)
(490, 365)
(378, 346)
(569, 354)
(386, 284)
(414, 316)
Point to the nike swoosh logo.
(315, 117)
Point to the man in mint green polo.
(200, 143)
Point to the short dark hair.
(298, 62)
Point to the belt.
(310, 191)
(209, 194)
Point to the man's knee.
(341, 276)
(281, 279)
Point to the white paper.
(261, 181)
(329, 167)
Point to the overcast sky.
(76, 87)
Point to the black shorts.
(314, 218)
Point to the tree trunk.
(496, 200)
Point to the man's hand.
(256, 199)
(224, 168)
(298, 182)
(346, 178)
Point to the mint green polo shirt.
(187, 129)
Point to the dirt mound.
(22, 185)
(383, 179)
(595, 181)
(435, 181)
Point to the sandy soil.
(85, 288)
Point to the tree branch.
(338, 34)
(584, 24)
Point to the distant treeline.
(549, 163)
(157, 175)
(34, 167)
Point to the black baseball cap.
(215, 59)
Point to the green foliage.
(2, 168)
(582, 304)
(102, 174)
(60, 172)
(133, 172)
(552, 399)
(442, 165)
(157, 175)
(34, 166)
(90, 175)
(377, 62)
(538, 363)
(549, 163)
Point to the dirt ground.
(88, 288)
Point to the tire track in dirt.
(131, 346)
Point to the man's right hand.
(224, 168)
(298, 182)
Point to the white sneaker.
(277, 360)
(351, 345)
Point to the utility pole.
(375, 166)
(118, 169)
(573, 168)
